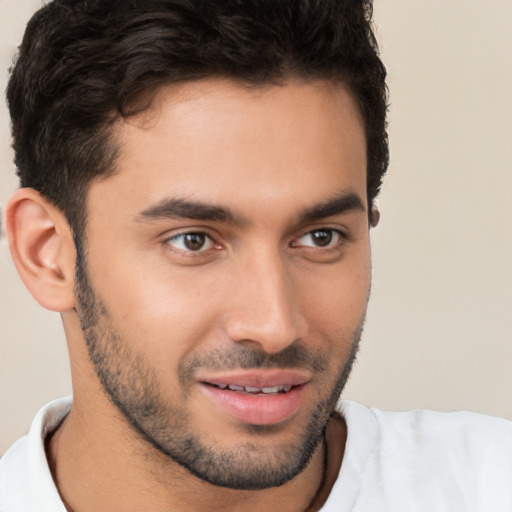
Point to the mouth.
(263, 397)
(252, 390)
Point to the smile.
(257, 397)
(254, 390)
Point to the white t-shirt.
(418, 461)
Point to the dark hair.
(83, 64)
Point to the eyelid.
(335, 230)
(169, 236)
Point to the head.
(216, 164)
(83, 65)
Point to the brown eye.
(190, 242)
(194, 241)
(322, 238)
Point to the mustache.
(243, 357)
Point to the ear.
(42, 248)
(374, 216)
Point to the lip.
(259, 378)
(254, 408)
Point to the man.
(198, 182)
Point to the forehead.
(218, 141)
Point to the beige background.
(438, 331)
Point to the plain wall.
(438, 330)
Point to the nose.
(265, 306)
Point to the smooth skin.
(281, 260)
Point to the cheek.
(335, 299)
(168, 311)
(162, 311)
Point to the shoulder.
(463, 430)
(25, 479)
(439, 460)
(467, 430)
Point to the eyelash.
(332, 233)
(188, 251)
(338, 236)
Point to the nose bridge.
(265, 308)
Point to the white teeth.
(271, 390)
(254, 390)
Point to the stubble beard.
(132, 385)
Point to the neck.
(86, 459)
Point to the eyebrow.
(342, 203)
(176, 208)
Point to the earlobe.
(374, 216)
(42, 248)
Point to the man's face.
(228, 274)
